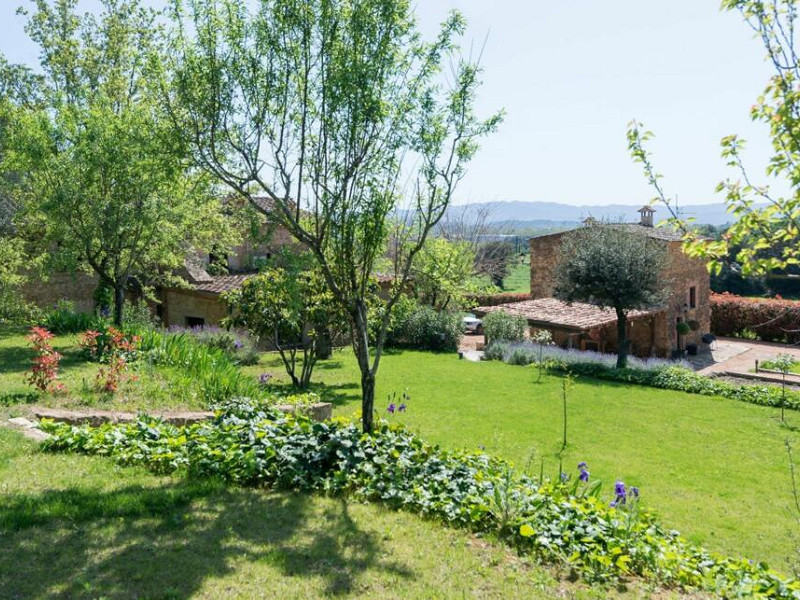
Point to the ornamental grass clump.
(557, 521)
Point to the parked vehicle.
(473, 324)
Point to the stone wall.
(683, 273)
(78, 288)
(180, 305)
(545, 251)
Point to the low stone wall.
(321, 411)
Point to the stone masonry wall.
(78, 288)
(545, 251)
(181, 304)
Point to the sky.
(570, 75)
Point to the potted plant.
(683, 328)
(691, 349)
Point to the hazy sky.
(571, 74)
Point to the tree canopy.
(612, 266)
(105, 179)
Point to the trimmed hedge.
(771, 320)
(564, 522)
(475, 300)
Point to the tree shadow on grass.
(164, 542)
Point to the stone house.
(586, 327)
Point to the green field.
(519, 276)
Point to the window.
(693, 297)
(195, 321)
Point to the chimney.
(647, 216)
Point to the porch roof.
(551, 313)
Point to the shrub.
(501, 326)
(556, 521)
(423, 328)
(65, 319)
(44, 371)
(137, 315)
(771, 320)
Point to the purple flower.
(401, 408)
(564, 478)
(584, 476)
(634, 491)
(238, 344)
(621, 494)
(264, 378)
(581, 465)
(391, 408)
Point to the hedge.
(768, 319)
(559, 521)
(476, 300)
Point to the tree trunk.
(361, 347)
(119, 303)
(367, 402)
(622, 339)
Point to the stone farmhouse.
(587, 327)
(197, 303)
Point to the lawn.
(81, 527)
(713, 468)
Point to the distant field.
(519, 276)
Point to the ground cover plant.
(559, 522)
(82, 527)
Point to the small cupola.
(646, 213)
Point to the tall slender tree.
(341, 115)
(106, 184)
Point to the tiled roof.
(550, 312)
(223, 283)
(666, 234)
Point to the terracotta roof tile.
(223, 283)
(550, 312)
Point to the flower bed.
(653, 372)
(564, 522)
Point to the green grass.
(715, 469)
(81, 527)
(519, 275)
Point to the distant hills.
(554, 214)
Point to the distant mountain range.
(543, 214)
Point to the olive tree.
(104, 182)
(344, 118)
(612, 266)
